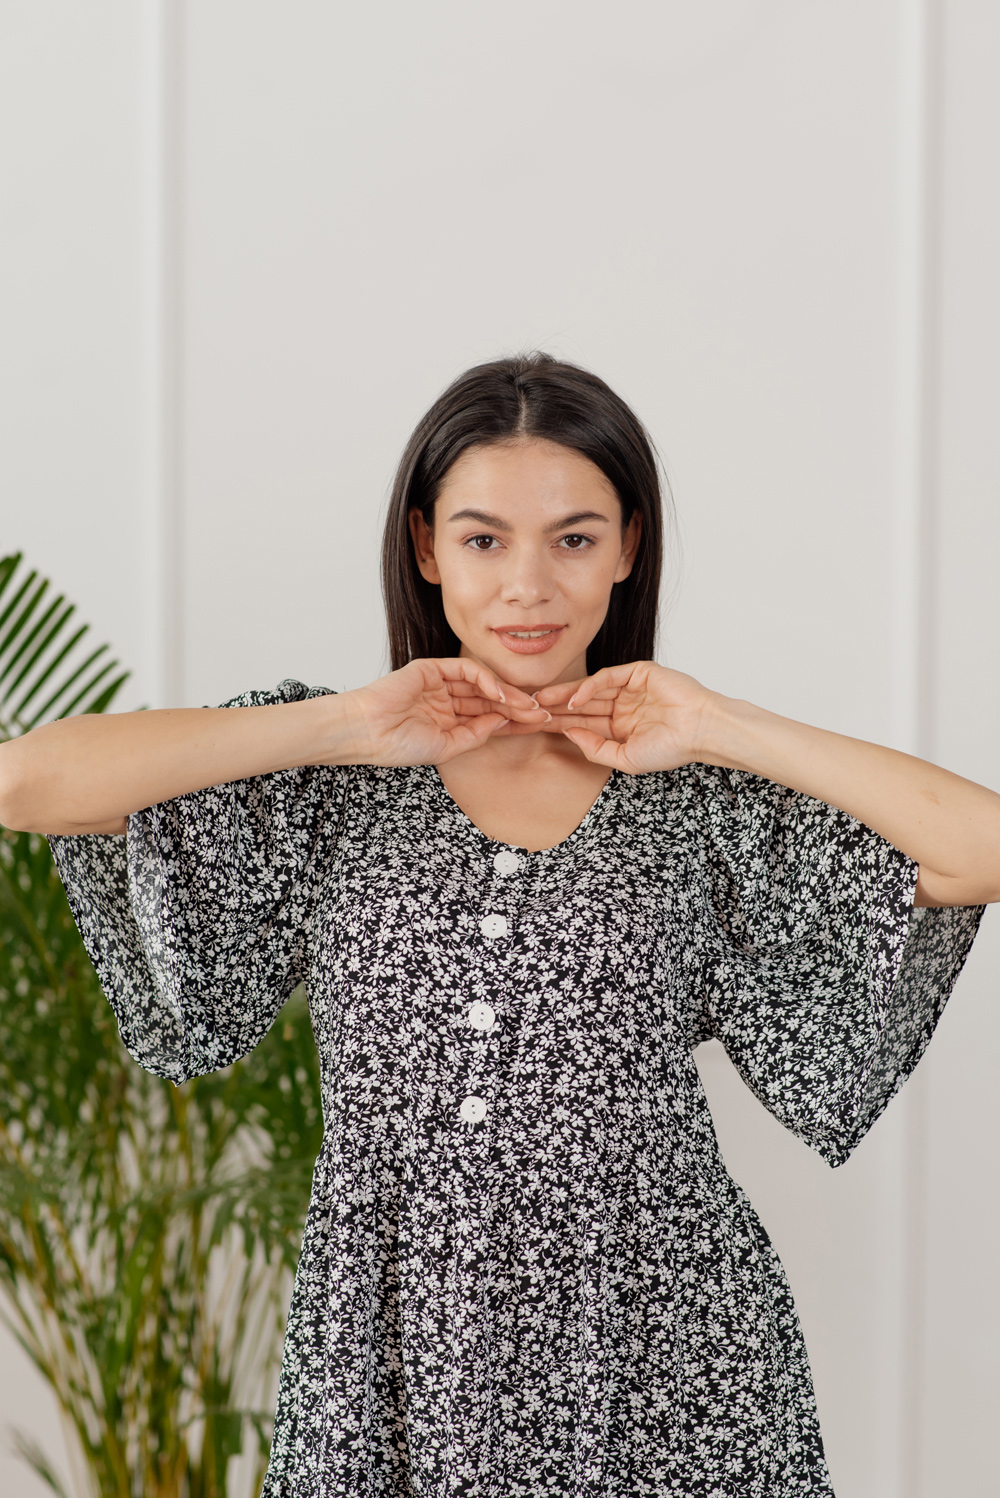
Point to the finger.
(461, 672)
(532, 714)
(564, 691)
(598, 723)
(611, 677)
(518, 695)
(475, 707)
(599, 751)
(560, 692)
(537, 724)
(568, 691)
(471, 707)
(472, 734)
(509, 727)
(600, 706)
(513, 695)
(459, 668)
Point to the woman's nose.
(526, 580)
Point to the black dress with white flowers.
(526, 1272)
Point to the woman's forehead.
(529, 480)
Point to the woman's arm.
(643, 717)
(948, 825)
(87, 774)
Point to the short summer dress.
(525, 1271)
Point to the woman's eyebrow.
(481, 517)
(577, 518)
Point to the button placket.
(495, 926)
(501, 896)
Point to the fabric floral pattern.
(525, 1271)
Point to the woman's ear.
(423, 547)
(630, 545)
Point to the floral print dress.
(526, 1272)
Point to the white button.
(493, 926)
(481, 1016)
(506, 861)
(473, 1110)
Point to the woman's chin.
(529, 672)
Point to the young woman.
(522, 876)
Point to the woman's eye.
(491, 543)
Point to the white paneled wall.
(71, 427)
(246, 243)
(959, 1382)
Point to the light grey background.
(245, 244)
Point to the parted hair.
(528, 395)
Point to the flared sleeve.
(822, 980)
(196, 921)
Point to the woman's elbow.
(934, 889)
(14, 803)
(24, 807)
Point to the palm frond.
(43, 656)
(29, 1451)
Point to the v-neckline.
(591, 815)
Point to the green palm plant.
(148, 1232)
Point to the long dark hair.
(530, 395)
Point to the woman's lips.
(546, 636)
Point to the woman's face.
(526, 545)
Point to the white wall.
(249, 242)
(70, 383)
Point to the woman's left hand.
(635, 718)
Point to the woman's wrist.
(342, 736)
(735, 734)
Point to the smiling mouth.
(530, 641)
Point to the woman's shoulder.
(718, 787)
(684, 786)
(713, 803)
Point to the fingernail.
(502, 697)
(547, 715)
(534, 701)
(572, 701)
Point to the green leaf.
(43, 654)
(28, 1449)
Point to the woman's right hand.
(432, 710)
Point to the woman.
(522, 876)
